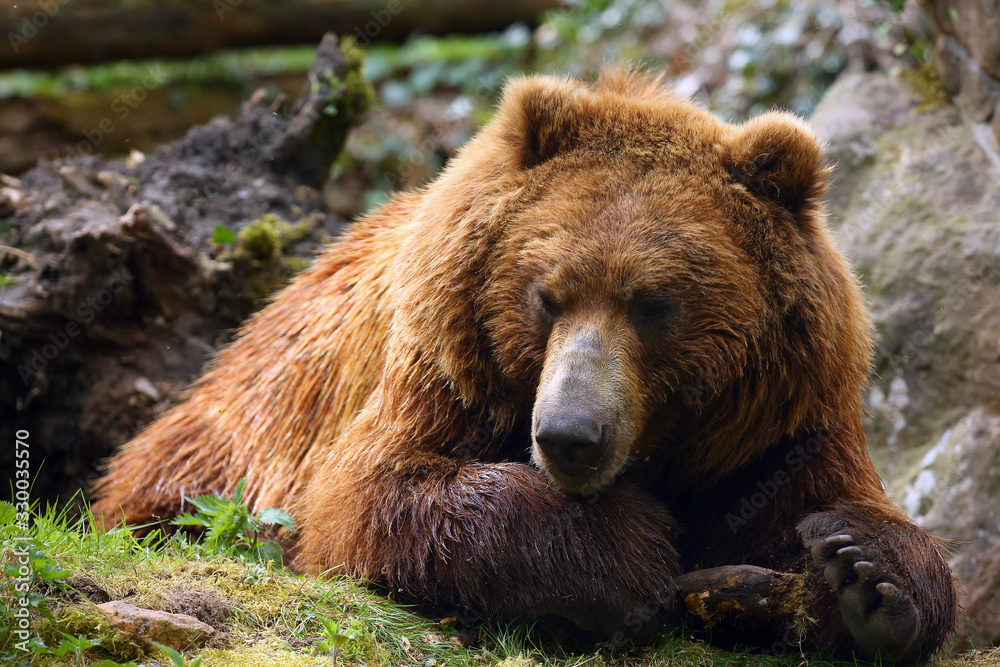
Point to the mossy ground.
(272, 615)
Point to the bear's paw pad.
(880, 616)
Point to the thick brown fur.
(392, 394)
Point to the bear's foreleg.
(890, 593)
(498, 540)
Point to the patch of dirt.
(87, 588)
(118, 280)
(207, 606)
(299, 643)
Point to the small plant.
(232, 530)
(334, 638)
(69, 644)
(25, 563)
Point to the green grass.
(277, 617)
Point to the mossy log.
(46, 33)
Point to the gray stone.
(976, 23)
(949, 62)
(996, 128)
(966, 52)
(979, 94)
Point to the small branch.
(26, 256)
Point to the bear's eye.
(547, 304)
(650, 311)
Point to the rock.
(147, 625)
(975, 22)
(966, 52)
(144, 386)
(916, 205)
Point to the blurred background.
(167, 165)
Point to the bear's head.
(648, 282)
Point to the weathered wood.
(742, 590)
(45, 33)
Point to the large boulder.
(916, 204)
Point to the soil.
(120, 279)
(207, 606)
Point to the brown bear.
(613, 342)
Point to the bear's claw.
(881, 617)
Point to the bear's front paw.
(880, 616)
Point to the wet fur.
(386, 396)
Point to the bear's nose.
(574, 443)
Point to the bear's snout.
(574, 443)
(582, 428)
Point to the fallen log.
(119, 279)
(48, 33)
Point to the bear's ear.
(778, 158)
(542, 116)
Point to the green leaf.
(188, 520)
(211, 505)
(35, 599)
(8, 515)
(174, 654)
(238, 491)
(333, 633)
(269, 516)
(222, 235)
(70, 644)
(270, 551)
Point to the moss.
(356, 94)
(928, 87)
(260, 652)
(258, 598)
(259, 254)
(267, 236)
(519, 661)
(85, 620)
